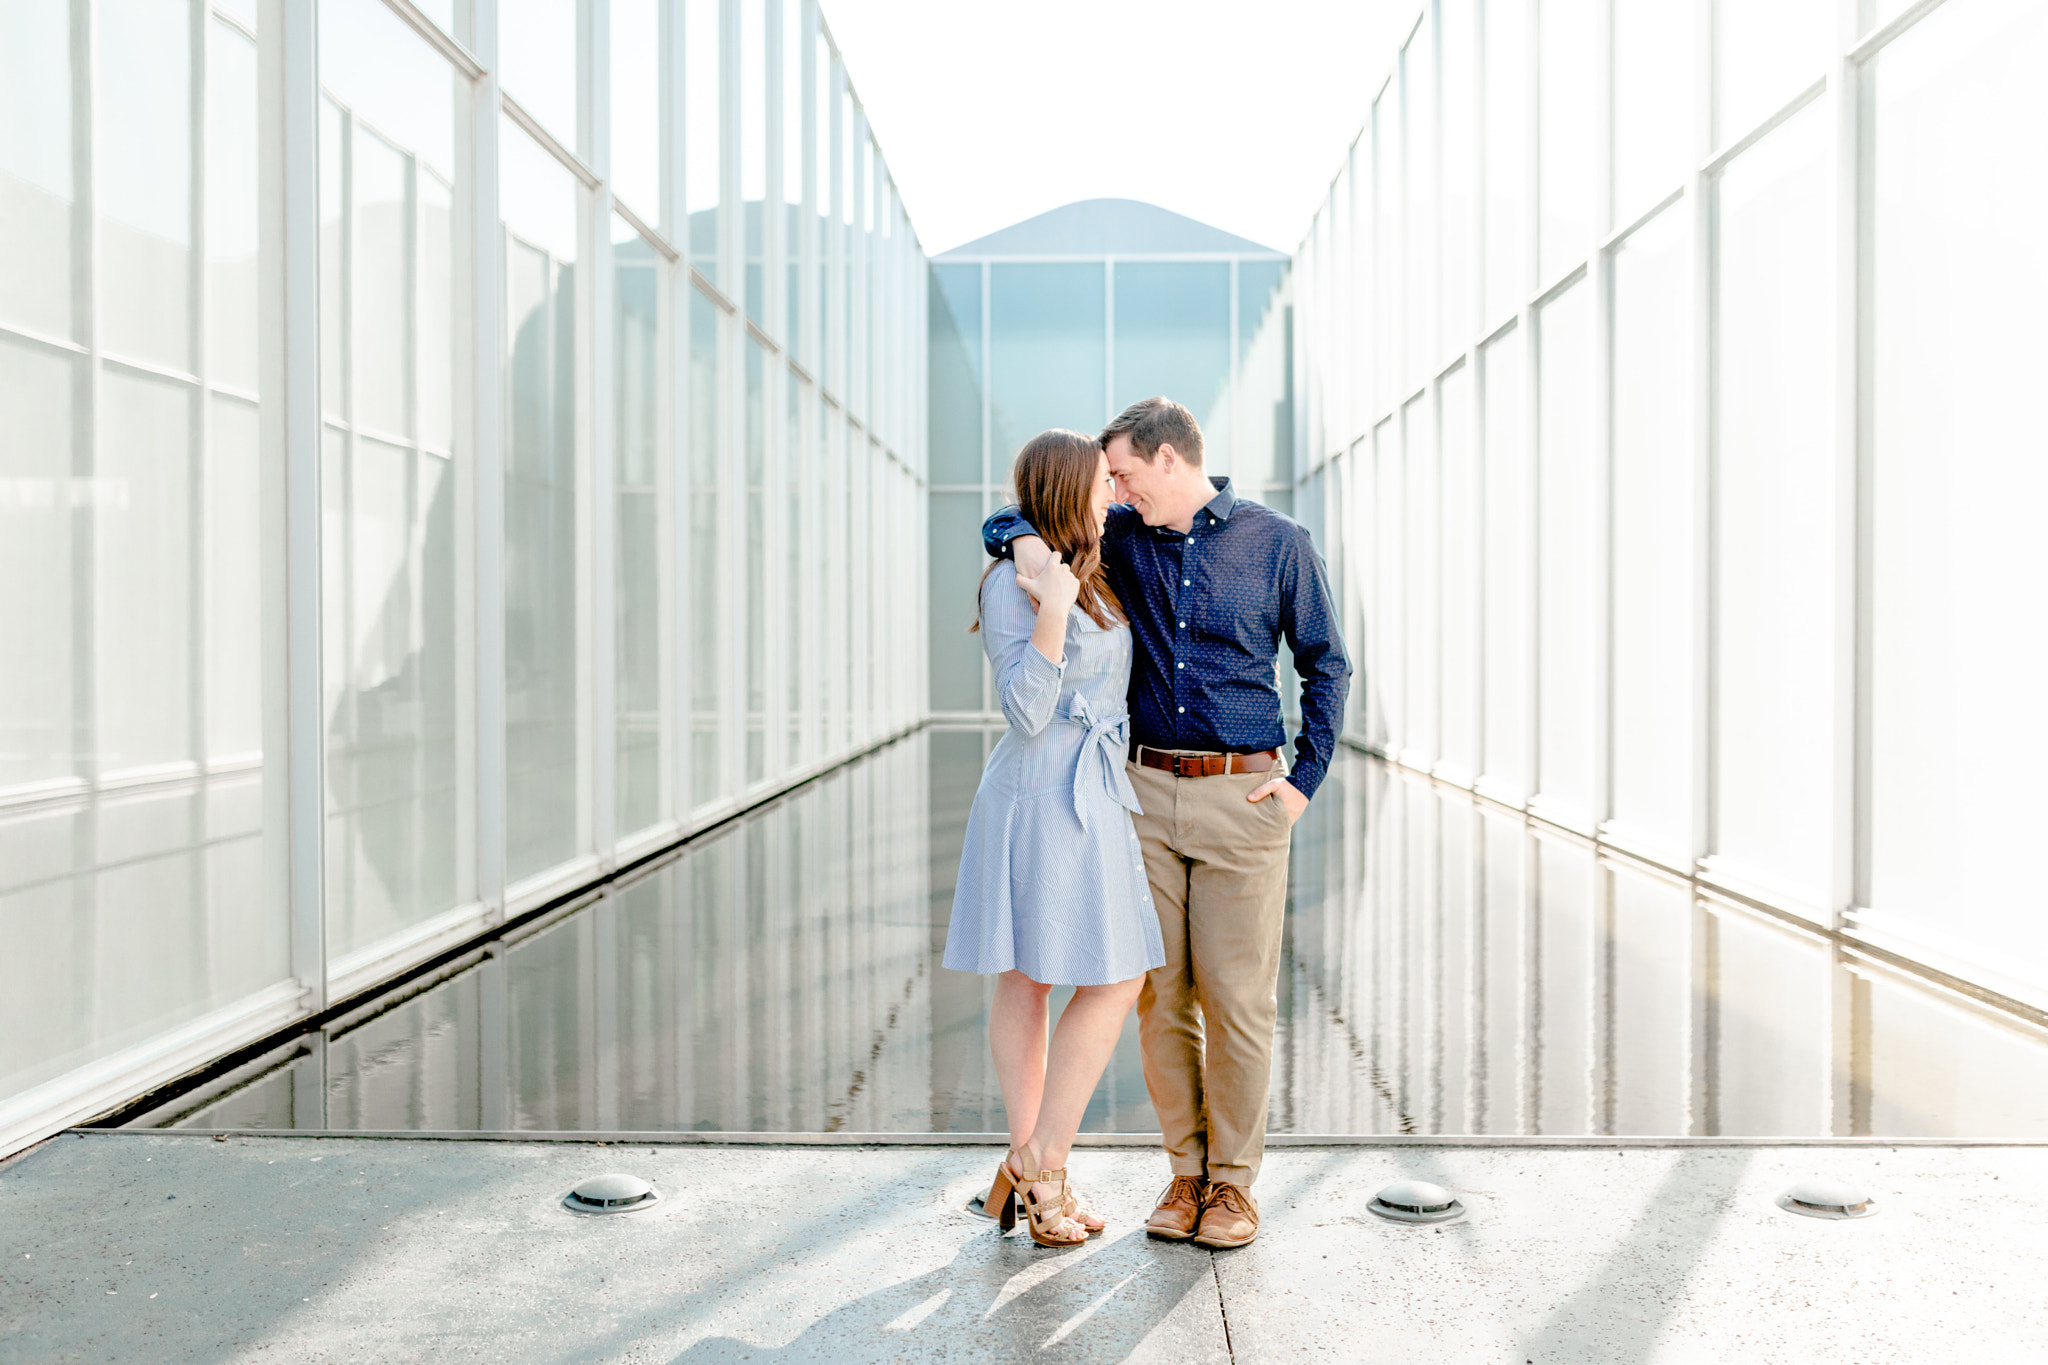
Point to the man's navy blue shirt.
(1208, 609)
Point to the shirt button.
(1183, 625)
(1183, 710)
(1191, 540)
(1185, 584)
(1180, 665)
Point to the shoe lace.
(1229, 1196)
(1183, 1187)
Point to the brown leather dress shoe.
(1230, 1216)
(1180, 1208)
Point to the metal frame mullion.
(1853, 563)
(1701, 214)
(732, 426)
(485, 503)
(1430, 382)
(1600, 271)
(859, 187)
(861, 616)
(1108, 338)
(801, 451)
(832, 369)
(1235, 383)
(597, 467)
(338, 413)
(808, 342)
(1482, 149)
(989, 491)
(775, 378)
(83, 661)
(198, 472)
(289, 292)
(1532, 385)
(671, 463)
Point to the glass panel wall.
(1017, 341)
(1956, 592)
(1749, 481)
(754, 94)
(703, 133)
(642, 531)
(710, 645)
(1653, 508)
(139, 804)
(1047, 353)
(1261, 453)
(538, 59)
(388, 252)
(1774, 568)
(1506, 580)
(546, 801)
(1459, 562)
(493, 545)
(1385, 543)
(754, 601)
(794, 608)
(636, 130)
(1173, 337)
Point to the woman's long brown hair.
(1054, 478)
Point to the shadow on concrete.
(1620, 1310)
(1097, 1306)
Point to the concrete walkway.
(119, 1247)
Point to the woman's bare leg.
(1088, 1029)
(1016, 1035)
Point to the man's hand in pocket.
(1283, 791)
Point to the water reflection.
(1448, 969)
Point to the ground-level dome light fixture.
(1818, 1198)
(1416, 1201)
(611, 1194)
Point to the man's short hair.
(1155, 422)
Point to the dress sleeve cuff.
(1041, 668)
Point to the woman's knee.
(1017, 981)
(1123, 992)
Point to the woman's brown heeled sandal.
(1046, 1220)
(1074, 1206)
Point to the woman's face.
(1104, 494)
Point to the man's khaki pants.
(1218, 867)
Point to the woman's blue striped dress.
(1052, 883)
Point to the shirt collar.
(1220, 506)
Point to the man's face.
(1137, 481)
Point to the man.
(1212, 584)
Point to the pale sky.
(1232, 113)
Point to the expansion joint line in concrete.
(1222, 1310)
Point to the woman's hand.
(1054, 587)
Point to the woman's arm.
(1027, 650)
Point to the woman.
(1052, 888)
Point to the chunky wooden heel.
(1001, 1203)
(1051, 1224)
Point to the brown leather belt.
(1208, 765)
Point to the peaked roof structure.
(1108, 227)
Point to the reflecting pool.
(1449, 967)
